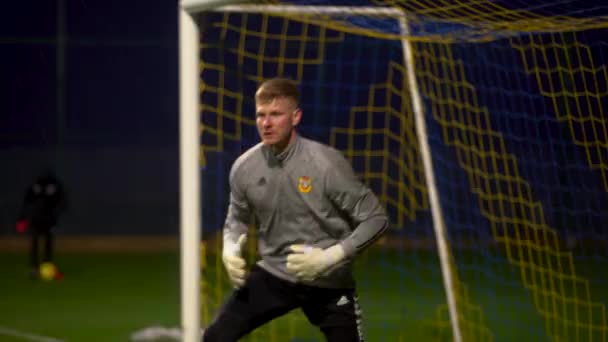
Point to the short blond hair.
(277, 87)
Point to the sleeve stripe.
(373, 238)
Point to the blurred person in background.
(44, 202)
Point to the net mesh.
(448, 21)
(513, 99)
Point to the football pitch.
(108, 296)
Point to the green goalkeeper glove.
(234, 263)
(308, 263)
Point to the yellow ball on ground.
(48, 271)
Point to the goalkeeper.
(313, 217)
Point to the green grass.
(106, 297)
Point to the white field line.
(26, 336)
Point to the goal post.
(190, 218)
(429, 176)
(189, 146)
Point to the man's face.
(276, 121)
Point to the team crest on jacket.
(304, 184)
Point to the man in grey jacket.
(313, 217)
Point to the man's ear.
(297, 117)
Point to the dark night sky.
(120, 74)
(103, 110)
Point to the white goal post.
(190, 201)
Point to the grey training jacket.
(308, 194)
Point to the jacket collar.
(285, 155)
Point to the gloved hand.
(234, 263)
(21, 226)
(308, 263)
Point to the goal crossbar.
(292, 9)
